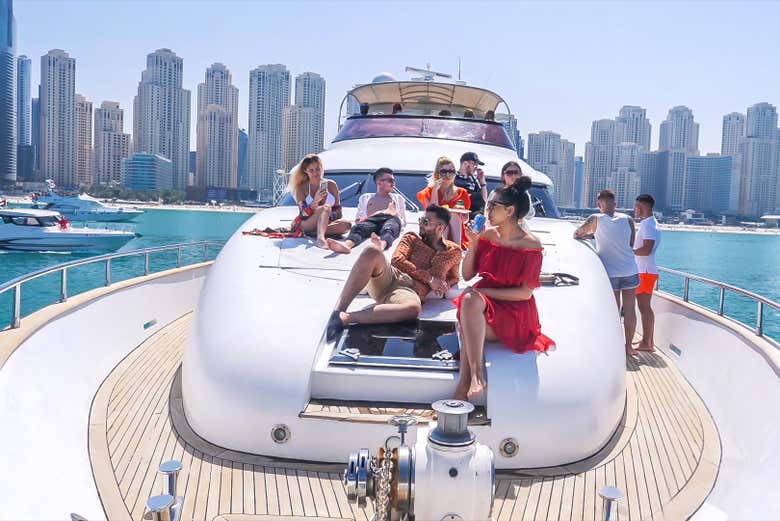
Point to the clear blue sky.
(559, 65)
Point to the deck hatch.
(423, 344)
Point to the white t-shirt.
(613, 244)
(648, 230)
(400, 206)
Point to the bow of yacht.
(221, 365)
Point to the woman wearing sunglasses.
(499, 307)
(441, 191)
(510, 173)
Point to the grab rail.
(16, 284)
(722, 288)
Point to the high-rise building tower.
(300, 134)
(554, 156)
(243, 170)
(599, 159)
(7, 91)
(634, 126)
(57, 154)
(35, 131)
(733, 134)
(679, 131)
(733, 144)
(161, 113)
(217, 145)
(579, 179)
(709, 181)
(269, 94)
(23, 96)
(310, 93)
(83, 141)
(759, 183)
(112, 145)
(566, 174)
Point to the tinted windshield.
(488, 133)
(411, 183)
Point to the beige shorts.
(392, 287)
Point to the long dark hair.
(516, 195)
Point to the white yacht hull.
(68, 241)
(118, 216)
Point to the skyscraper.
(299, 133)
(7, 91)
(23, 75)
(759, 181)
(733, 133)
(57, 152)
(733, 144)
(161, 113)
(579, 179)
(680, 137)
(709, 182)
(310, 93)
(679, 131)
(544, 153)
(599, 158)
(35, 131)
(217, 141)
(566, 174)
(83, 141)
(112, 145)
(243, 170)
(269, 94)
(509, 122)
(634, 126)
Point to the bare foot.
(379, 243)
(646, 348)
(630, 351)
(476, 387)
(322, 243)
(338, 247)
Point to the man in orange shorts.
(646, 242)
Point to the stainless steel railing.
(761, 302)
(15, 285)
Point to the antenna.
(459, 78)
(427, 73)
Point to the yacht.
(24, 229)
(208, 391)
(83, 207)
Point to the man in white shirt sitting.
(382, 213)
(646, 243)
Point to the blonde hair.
(299, 177)
(436, 174)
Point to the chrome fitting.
(160, 507)
(610, 495)
(170, 471)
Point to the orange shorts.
(647, 283)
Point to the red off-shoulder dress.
(516, 323)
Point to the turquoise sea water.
(745, 261)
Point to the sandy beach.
(146, 205)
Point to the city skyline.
(738, 68)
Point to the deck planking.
(661, 456)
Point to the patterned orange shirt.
(421, 262)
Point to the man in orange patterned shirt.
(421, 264)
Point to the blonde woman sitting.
(318, 200)
(441, 191)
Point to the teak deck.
(664, 456)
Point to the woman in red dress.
(442, 191)
(501, 306)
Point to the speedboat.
(209, 391)
(82, 207)
(23, 229)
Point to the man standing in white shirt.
(614, 234)
(647, 240)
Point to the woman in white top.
(318, 200)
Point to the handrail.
(16, 283)
(723, 287)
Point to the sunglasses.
(425, 221)
(512, 172)
(447, 173)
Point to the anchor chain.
(383, 475)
